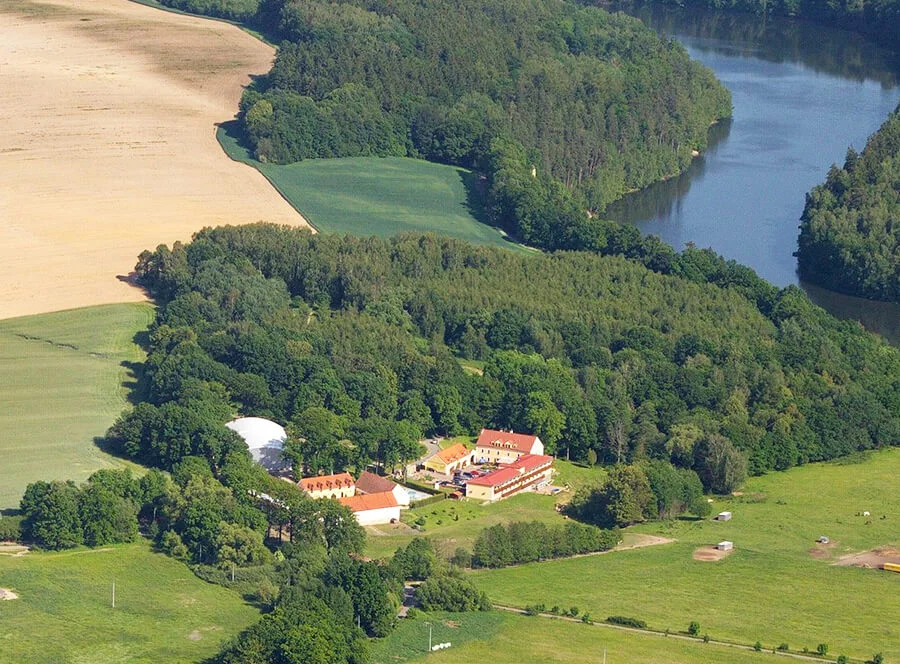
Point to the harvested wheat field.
(108, 147)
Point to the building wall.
(379, 516)
(401, 496)
(496, 455)
(342, 492)
(479, 492)
(439, 466)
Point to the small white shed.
(723, 516)
(725, 546)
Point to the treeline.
(850, 228)
(597, 102)
(532, 541)
(877, 18)
(656, 490)
(594, 354)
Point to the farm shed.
(723, 516)
(725, 545)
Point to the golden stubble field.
(107, 144)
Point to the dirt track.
(107, 144)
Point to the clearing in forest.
(107, 144)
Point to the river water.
(802, 94)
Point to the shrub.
(783, 647)
(706, 638)
(757, 646)
(586, 618)
(822, 649)
(10, 528)
(554, 610)
(461, 558)
(625, 621)
(694, 628)
(842, 659)
(573, 611)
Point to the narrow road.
(683, 637)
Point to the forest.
(354, 343)
(595, 101)
(850, 228)
(879, 19)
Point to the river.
(802, 94)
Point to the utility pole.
(114, 595)
(232, 572)
(604, 656)
(429, 636)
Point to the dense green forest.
(850, 229)
(595, 101)
(877, 18)
(353, 343)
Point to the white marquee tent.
(264, 438)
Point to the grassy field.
(379, 196)
(163, 612)
(772, 588)
(64, 377)
(509, 639)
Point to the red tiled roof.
(520, 442)
(453, 453)
(521, 466)
(370, 501)
(326, 482)
(372, 483)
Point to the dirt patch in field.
(823, 551)
(711, 553)
(107, 144)
(6, 593)
(874, 559)
(13, 549)
(639, 541)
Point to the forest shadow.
(475, 185)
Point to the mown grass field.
(379, 196)
(62, 384)
(771, 589)
(163, 612)
(503, 638)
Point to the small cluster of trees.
(104, 510)
(530, 541)
(630, 494)
(849, 235)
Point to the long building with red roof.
(527, 472)
(340, 485)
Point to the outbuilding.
(370, 483)
(450, 459)
(373, 509)
(723, 516)
(725, 546)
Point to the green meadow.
(777, 587)
(64, 378)
(502, 638)
(379, 196)
(64, 613)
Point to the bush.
(461, 558)
(694, 628)
(842, 659)
(625, 621)
(706, 638)
(822, 649)
(586, 618)
(783, 647)
(573, 611)
(757, 646)
(10, 528)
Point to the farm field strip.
(108, 132)
(64, 378)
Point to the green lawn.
(163, 612)
(502, 638)
(62, 384)
(379, 196)
(770, 589)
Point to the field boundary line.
(683, 637)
